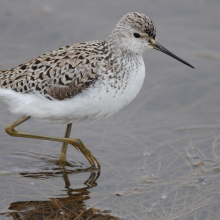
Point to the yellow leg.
(64, 148)
(77, 143)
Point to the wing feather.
(59, 74)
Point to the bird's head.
(136, 32)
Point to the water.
(160, 156)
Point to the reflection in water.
(61, 170)
(70, 206)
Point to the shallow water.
(159, 156)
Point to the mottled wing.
(59, 74)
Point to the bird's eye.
(136, 35)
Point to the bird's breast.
(113, 90)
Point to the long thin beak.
(159, 47)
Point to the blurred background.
(159, 156)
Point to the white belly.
(95, 103)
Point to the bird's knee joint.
(9, 130)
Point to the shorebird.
(81, 82)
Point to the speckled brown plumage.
(142, 23)
(60, 74)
